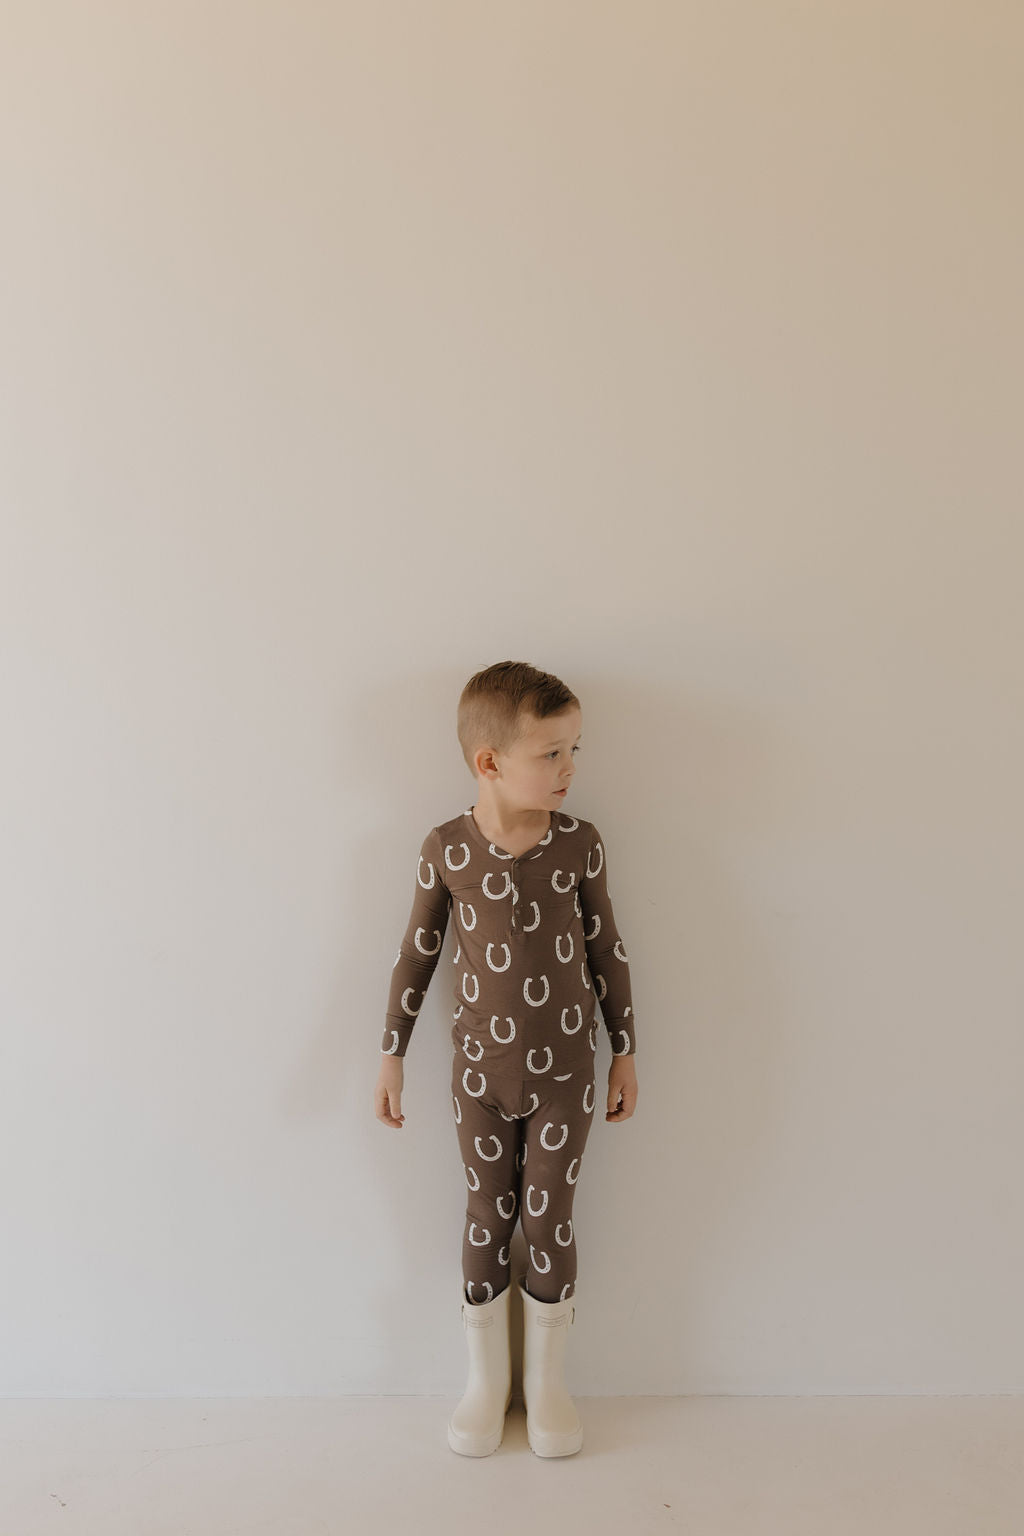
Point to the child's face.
(536, 773)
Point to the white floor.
(713, 1466)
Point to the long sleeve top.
(537, 947)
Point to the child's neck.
(511, 829)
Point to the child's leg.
(490, 1135)
(555, 1134)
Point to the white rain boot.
(552, 1423)
(478, 1423)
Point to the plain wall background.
(347, 348)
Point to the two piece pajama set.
(537, 949)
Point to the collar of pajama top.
(511, 872)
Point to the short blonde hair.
(495, 702)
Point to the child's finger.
(387, 1107)
(626, 1106)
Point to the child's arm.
(410, 976)
(609, 967)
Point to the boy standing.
(537, 949)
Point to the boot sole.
(554, 1445)
(478, 1445)
(474, 1445)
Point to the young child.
(537, 948)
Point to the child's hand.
(622, 1089)
(387, 1096)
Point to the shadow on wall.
(697, 799)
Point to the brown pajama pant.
(522, 1141)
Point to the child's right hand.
(387, 1096)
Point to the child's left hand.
(622, 1089)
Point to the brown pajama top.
(537, 949)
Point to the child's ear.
(484, 763)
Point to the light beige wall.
(347, 348)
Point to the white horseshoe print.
(483, 1241)
(593, 1037)
(586, 978)
(588, 1092)
(458, 1013)
(529, 1203)
(508, 957)
(619, 952)
(392, 1048)
(428, 885)
(508, 1118)
(541, 1269)
(497, 895)
(570, 1177)
(540, 1001)
(563, 1077)
(451, 862)
(498, 853)
(529, 927)
(563, 1242)
(476, 1176)
(422, 947)
(573, 824)
(465, 990)
(483, 1082)
(596, 929)
(625, 1047)
(565, 1027)
(576, 904)
(599, 981)
(397, 958)
(457, 955)
(412, 1012)
(486, 1284)
(499, 1203)
(468, 1053)
(561, 889)
(592, 872)
(538, 1070)
(553, 1146)
(566, 1288)
(488, 1157)
(458, 1110)
(465, 907)
(548, 835)
(530, 1111)
(558, 948)
(504, 1249)
(504, 1039)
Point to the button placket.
(514, 892)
